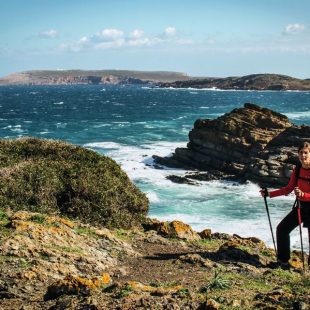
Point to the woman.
(300, 183)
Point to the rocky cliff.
(248, 82)
(65, 77)
(249, 143)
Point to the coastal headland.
(74, 234)
(155, 78)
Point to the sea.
(132, 123)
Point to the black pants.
(284, 229)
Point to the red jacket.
(303, 184)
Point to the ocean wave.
(137, 161)
(152, 196)
(103, 145)
(298, 115)
(58, 103)
(101, 125)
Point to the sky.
(208, 38)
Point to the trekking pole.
(266, 205)
(300, 233)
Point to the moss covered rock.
(55, 177)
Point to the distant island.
(155, 78)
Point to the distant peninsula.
(155, 78)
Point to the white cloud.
(292, 29)
(110, 34)
(170, 31)
(49, 34)
(84, 40)
(115, 38)
(136, 34)
(110, 44)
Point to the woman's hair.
(305, 144)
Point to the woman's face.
(304, 156)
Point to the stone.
(205, 234)
(179, 230)
(211, 304)
(76, 286)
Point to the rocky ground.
(51, 262)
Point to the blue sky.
(201, 38)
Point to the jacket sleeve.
(306, 197)
(286, 189)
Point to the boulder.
(174, 229)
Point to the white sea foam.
(152, 196)
(298, 115)
(58, 103)
(102, 125)
(137, 161)
(61, 125)
(103, 145)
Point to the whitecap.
(102, 125)
(298, 115)
(58, 103)
(152, 197)
(61, 125)
(103, 145)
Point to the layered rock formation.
(274, 164)
(249, 143)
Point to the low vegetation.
(54, 177)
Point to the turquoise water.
(132, 123)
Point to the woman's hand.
(298, 192)
(264, 192)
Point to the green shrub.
(216, 283)
(55, 177)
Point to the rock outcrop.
(249, 143)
